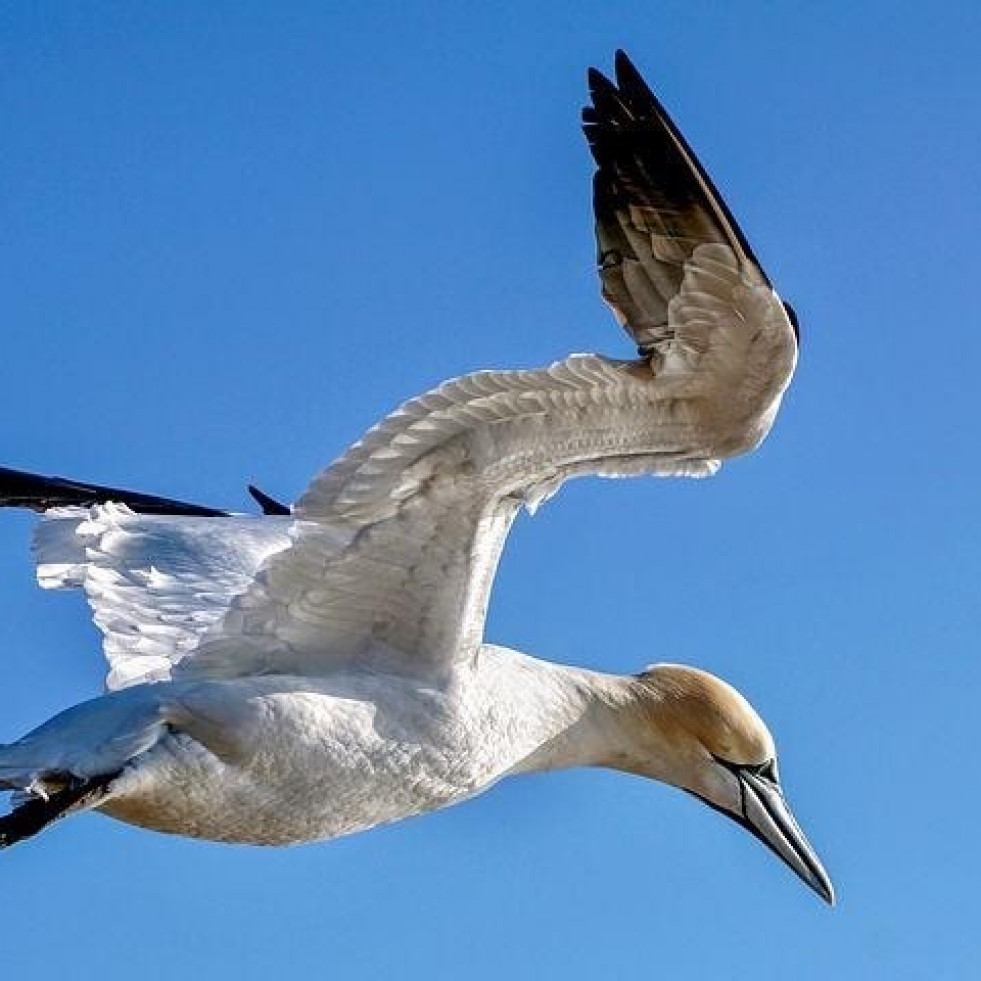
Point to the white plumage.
(290, 678)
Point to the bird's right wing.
(156, 583)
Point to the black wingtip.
(631, 81)
(18, 488)
(623, 64)
(598, 83)
(269, 505)
(628, 128)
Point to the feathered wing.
(395, 545)
(155, 583)
(398, 541)
(391, 552)
(655, 206)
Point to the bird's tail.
(34, 812)
(70, 763)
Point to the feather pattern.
(396, 544)
(655, 205)
(155, 583)
(386, 562)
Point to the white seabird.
(321, 669)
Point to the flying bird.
(321, 668)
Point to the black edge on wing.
(269, 505)
(28, 490)
(638, 149)
(654, 203)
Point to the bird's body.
(283, 760)
(322, 669)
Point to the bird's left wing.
(660, 221)
(390, 555)
(394, 547)
(387, 560)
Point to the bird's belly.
(299, 775)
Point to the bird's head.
(708, 740)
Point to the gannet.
(320, 669)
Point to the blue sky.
(232, 235)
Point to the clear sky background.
(232, 235)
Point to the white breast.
(289, 760)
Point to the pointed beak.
(765, 813)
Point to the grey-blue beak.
(766, 814)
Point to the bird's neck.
(584, 718)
